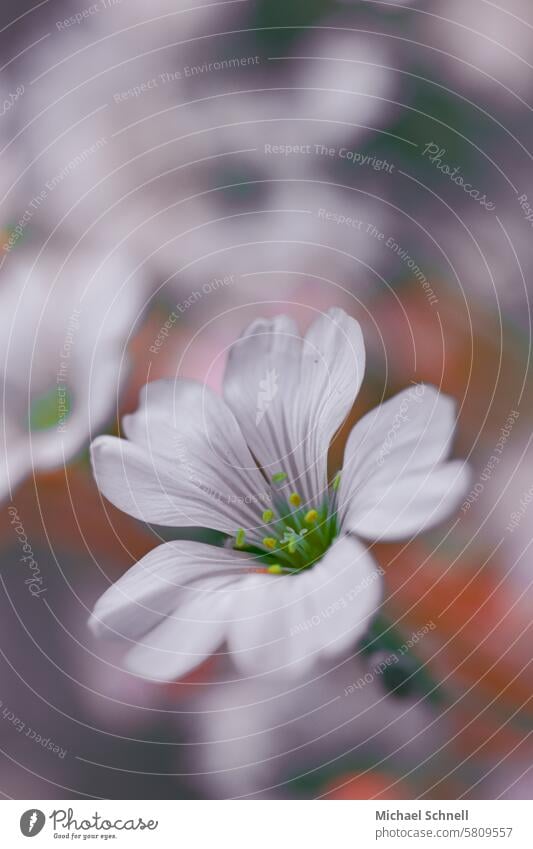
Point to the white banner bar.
(267, 824)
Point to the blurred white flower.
(183, 172)
(251, 737)
(484, 258)
(501, 500)
(378, 5)
(63, 336)
(484, 46)
(176, 16)
(294, 582)
(264, 163)
(10, 155)
(509, 778)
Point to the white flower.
(295, 581)
(63, 333)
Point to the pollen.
(311, 517)
(240, 538)
(275, 569)
(295, 499)
(268, 515)
(270, 542)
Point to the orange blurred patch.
(65, 509)
(369, 785)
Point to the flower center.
(293, 537)
(50, 409)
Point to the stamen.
(296, 538)
(240, 538)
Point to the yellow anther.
(295, 499)
(275, 569)
(311, 517)
(268, 515)
(240, 538)
(270, 542)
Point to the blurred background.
(170, 171)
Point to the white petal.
(412, 503)
(171, 607)
(181, 641)
(186, 464)
(410, 432)
(347, 595)
(287, 622)
(254, 637)
(152, 588)
(290, 395)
